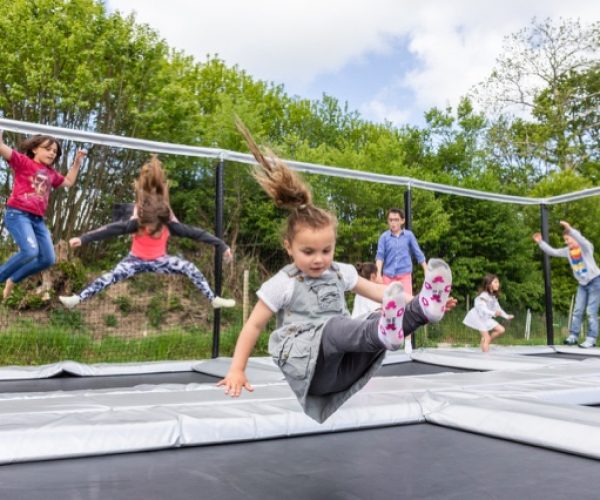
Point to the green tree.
(549, 71)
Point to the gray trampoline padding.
(67, 382)
(543, 396)
(263, 369)
(578, 351)
(85, 370)
(78, 423)
(497, 359)
(412, 461)
(259, 369)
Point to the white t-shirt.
(277, 291)
(362, 306)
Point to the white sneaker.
(588, 342)
(70, 302)
(221, 302)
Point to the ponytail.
(286, 188)
(152, 181)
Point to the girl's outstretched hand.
(565, 224)
(450, 304)
(537, 237)
(234, 382)
(228, 256)
(81, 154)
(75, 242)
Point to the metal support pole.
(547, 283)
(219, 190)
(407, 225)
(408, 208)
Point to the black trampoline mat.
(416, 368)
(413, 462)
(73, 383)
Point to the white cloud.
(291, 41)
(380, 110)
(295, 42)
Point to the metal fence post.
(219, 189)
(547, 281)
(408, 225)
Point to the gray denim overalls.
(296, 343)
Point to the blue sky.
(390, 59)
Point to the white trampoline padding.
(530, 399)
(100, 369)
(67, 424)
(259, 370)
(574, 429)
(476, 360)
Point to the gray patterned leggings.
(131, 265)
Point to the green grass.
(26, 342)
(452, 331)
(42, 345)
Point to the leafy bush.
(156, 310)
(125, 304)
(65, 318)
(74, 273)
(110, 320)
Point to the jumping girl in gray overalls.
(325, 355)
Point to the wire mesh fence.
(153, 317)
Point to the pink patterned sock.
(436, 290)
(390, 324)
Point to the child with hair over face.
(486, 308)
(325, 355)
(34, 178)
(152, 224)
(152, 183)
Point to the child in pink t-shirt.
(151, 229)
(152, 223)
(34, 178)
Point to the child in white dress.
(486, 308)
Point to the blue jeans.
(36, 251)
(587, 300)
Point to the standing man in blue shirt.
(395, 250)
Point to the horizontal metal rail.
(346, 173)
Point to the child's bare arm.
(374, 291)
(5, 151)
(74, 170)
(369, 289)
(236, 380)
